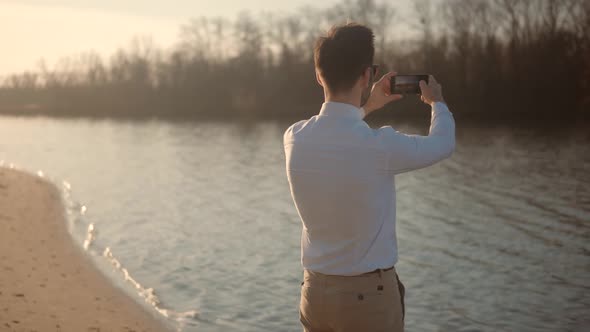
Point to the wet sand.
(46, 281)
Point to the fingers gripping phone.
(407, 84)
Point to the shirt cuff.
(439, 106)
(363, 112)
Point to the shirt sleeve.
(410, 152)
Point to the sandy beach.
(46, 281)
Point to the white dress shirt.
(341, 176)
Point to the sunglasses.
(374, 69)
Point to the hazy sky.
(52, 29)
(31, 29)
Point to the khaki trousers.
(371, 302)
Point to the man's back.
(341, 175)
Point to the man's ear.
(318, 78)
(366, 78)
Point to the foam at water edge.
(74, 213)
(90, 236)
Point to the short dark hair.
(343, 54)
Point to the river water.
(497, 238)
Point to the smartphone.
(407, 84)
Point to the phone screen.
(407, 84)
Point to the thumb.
(391, 98)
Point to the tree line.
(495, 58)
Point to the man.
(341, 175)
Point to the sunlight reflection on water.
(495, 238)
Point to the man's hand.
(431, 92)
(380, 94)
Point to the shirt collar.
(333, 108)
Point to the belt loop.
(380, 276)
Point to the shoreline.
(379, 118)
(46, 281)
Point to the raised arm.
(409, 152)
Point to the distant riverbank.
(407, 111)
(498, 59)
